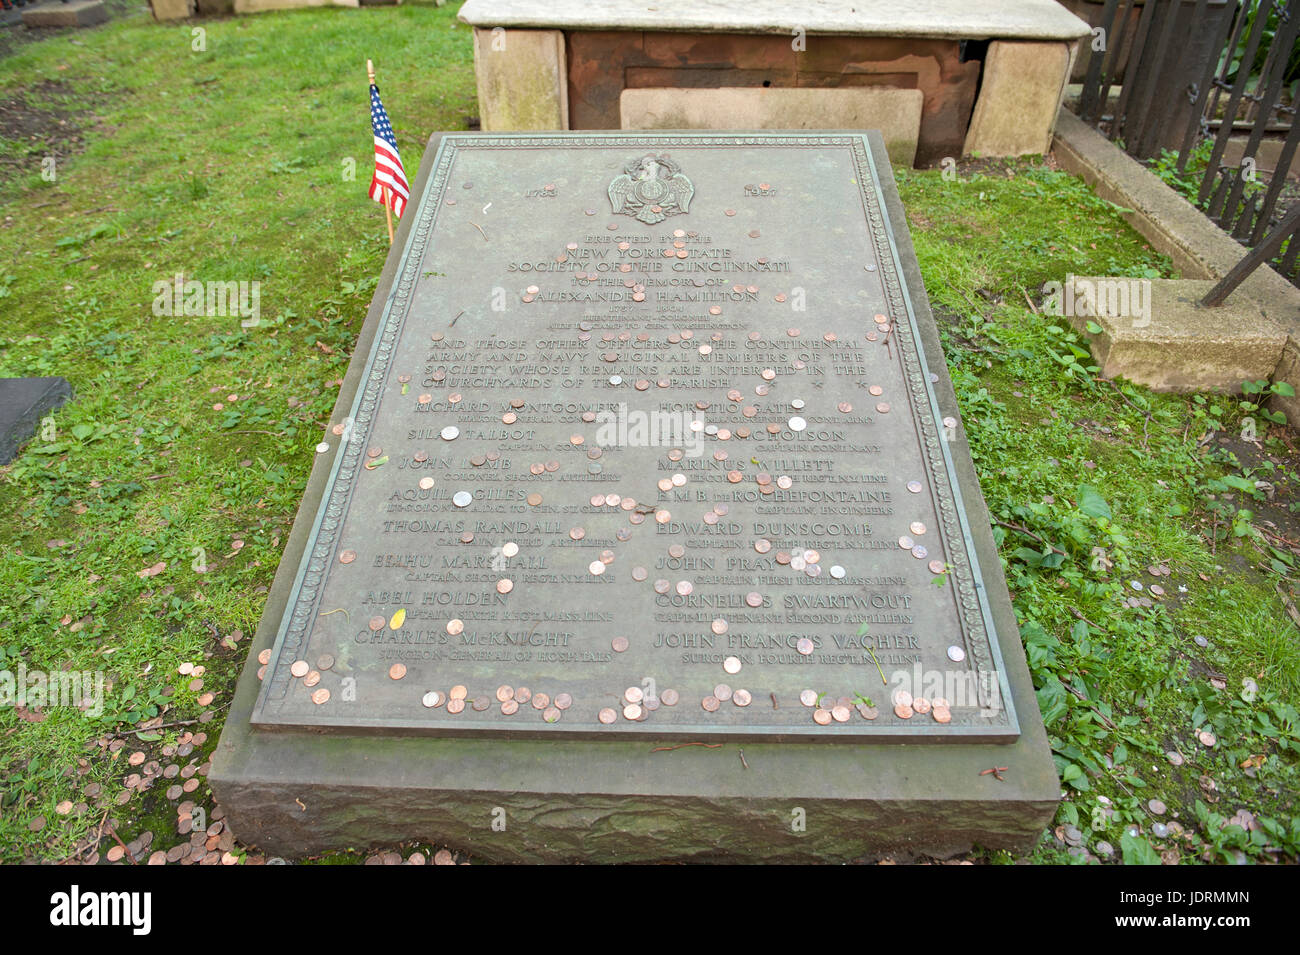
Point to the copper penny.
(541, 701)
(903, 712)
(397, 671)
(455, 705)
(505, 693)
(669, 697)
(822, 717)
(320, 696)
(458, 692)
(607, 715)
(710, 703)
(300, 668)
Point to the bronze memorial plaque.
(646, 445)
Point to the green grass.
(1119, 686)
(229, 164)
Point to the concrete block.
(896, 113)
(1154, 333)
(1020, 95)
(78, 13)
(522, 82)
(172, 9)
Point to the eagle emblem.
(651, 188)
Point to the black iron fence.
(1207, 90)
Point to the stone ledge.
(970, 19)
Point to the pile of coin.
(510, 700)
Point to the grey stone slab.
(23, 402)
(370, 780)
(962, 19)
(773, 439)
(76, 13)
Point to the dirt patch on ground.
(1279, 469)
(33, 126)
(1005, 167)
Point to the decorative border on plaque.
(305, 599)
(970, 616)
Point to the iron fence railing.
(1211, 81)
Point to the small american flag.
(388, 162)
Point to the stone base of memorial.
(507, 622)
(990, 74)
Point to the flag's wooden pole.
(388, 212)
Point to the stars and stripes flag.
(388, 162)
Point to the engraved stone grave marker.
(648, 438)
